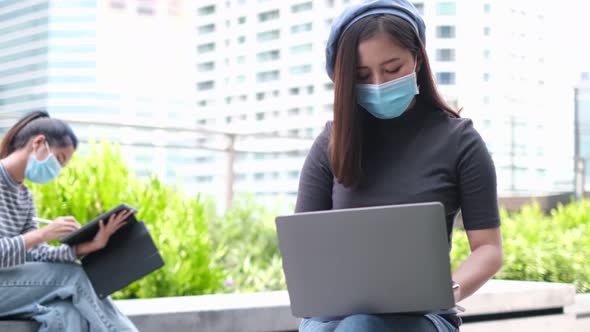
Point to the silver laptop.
(387, 259)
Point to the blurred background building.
(225, 97)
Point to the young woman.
(394, 141)
(40, 281)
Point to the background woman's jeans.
(378, 323)
(60, 297)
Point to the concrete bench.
(581, 310)
(499, 305)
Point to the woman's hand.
(104, 233)
(55, 230)
(457, 292)
(59, 228)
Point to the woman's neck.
(15, 164)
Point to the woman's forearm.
(478, 268)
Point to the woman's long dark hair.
(348, 131)
(56, 132)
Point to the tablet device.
(130, 255)
(88, 231)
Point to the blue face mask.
(42, 171)
(390, 99)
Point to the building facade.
(260, 68)
(116, 61)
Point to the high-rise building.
(117, 61)
(261, 69)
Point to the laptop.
(375, 260)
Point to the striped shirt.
(17, 209)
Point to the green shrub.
(540, 247)
(246, 247)
(202, 249)
(92, 184)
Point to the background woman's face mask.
(42, 171)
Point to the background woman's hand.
(104, 233)
(59, 228)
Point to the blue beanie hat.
(401, 8)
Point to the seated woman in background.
(39, 281)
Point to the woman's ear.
(36, 141)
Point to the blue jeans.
(60, 297)
(380, 323)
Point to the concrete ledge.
(522, 305)
(503, 296)
(581, 310)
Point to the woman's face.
(63, 154)
(381, 60)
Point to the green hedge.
(93, 184)
(238, 251)
(541, 247)
(246, 246)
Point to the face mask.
(42, 171)
(390, 99)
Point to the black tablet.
(89, 230)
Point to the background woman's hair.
(56, 132)
(347, 141)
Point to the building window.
(241, 39)
(204, 86)
(298, 49)
(298, 70)
(206, 29)
(206, 66)
(302, 7)
(487, 8)
(446, 8)
(242, 20)
(294, 91)
(268, 36)
(486, 54)
(420, 7)
(301, 28)
(445, 78)
(117, 4)
(267, 16)
(267, 76)
(487, 31)
(330, 3)
(268, 56)
(486, 77)
(445, 31)
(260, 116)
(207, 10)
(146, 7)
(445, 54)
(206, 48)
